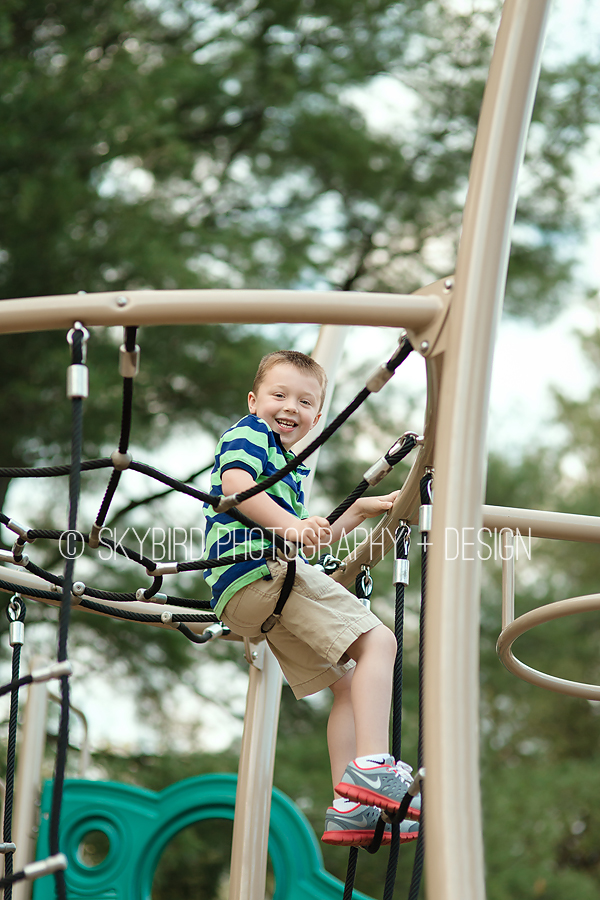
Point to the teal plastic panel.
(139, 824)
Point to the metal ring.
(16, 609)
(557, 610)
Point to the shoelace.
(403, 770)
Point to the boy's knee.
(378, 640)
(387, 639)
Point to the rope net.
(65, 591)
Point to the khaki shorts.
(320, 620)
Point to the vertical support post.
(257, 758)
(508, 577)
(454, 861)
(29, 775)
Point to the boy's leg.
(341, 733)
(371, 689)
(359, 721)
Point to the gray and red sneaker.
(379, 782)
(355, 827)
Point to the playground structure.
(452, 323)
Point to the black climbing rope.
(16, 615)
(402, 544)
(129, 366)
(376, 473)
(77, 390)
(424, 527)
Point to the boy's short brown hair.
(295, 358)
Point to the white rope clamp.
(121, 461)
(129, 361)
(19, 529)
(78, 381)
(45, 866)
(53, 670)
(378, 378)
(169, 568)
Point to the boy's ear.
(316, 419)
(252, 402)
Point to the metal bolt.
(122, 301)
(255, 654)
(448, 284)
(424, 346)
(78, 588)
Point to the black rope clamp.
(286, 590)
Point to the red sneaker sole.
(372, 798)
(354, 838)
(362, 839)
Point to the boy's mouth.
(286, 423)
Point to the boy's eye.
(306, 402)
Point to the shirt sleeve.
(245, 446)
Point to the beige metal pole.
(415, 311)
(257, 758)
(454, 859)
(29, 776)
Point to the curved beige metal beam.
(414, 311)
(454, 859)
(529, 620)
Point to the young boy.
(324, 637)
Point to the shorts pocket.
(249, 607)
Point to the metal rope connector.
(129, 361)
(169, 568)
(18, 557)
(78, 383)
(85, 336)
(45, 866)
(8, 848)
(364, 586)
(19, 529)
(53, 670)
(377, 471)
(140, 594)
(121, 461)
(329, 564)
(378, 378)
(226, 503)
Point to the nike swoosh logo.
(375, 781)
(379, 762)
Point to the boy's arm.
(263, 509)
(361, 509)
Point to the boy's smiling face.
(289, 400)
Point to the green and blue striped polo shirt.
(250, 445)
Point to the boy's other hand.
(369, 507)
(312, 532)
